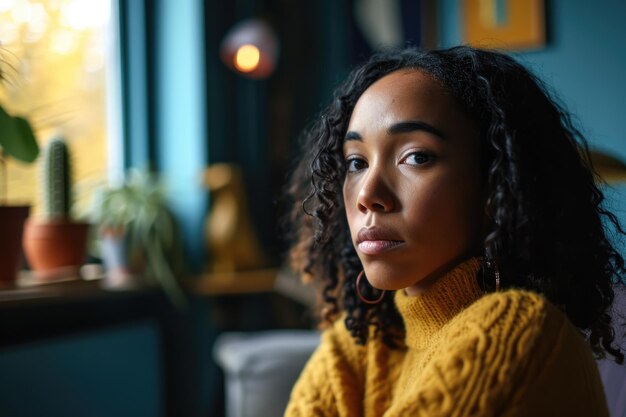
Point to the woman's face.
(412, 190)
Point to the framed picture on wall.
(504, 24)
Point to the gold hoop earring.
(497, 273)
(491, 264)
(358, 291)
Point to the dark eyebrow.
(412, 126)
(353, 136)
(402, 127)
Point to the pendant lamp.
(250, 48)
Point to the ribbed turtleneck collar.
(428, 312)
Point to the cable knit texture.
(466, 354)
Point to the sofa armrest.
(260, 369)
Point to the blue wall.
(181, 116)
(115, 372)
(585, 63)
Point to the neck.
(421, 286)
(427, 313)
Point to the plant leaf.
(8, 131)
(28, 150)
(17, 138)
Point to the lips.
(376, 240)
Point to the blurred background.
(207, 99)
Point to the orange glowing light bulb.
(247, 58)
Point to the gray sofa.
(260, 369)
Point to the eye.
(418, 158)
(355, 164)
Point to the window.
(58, 57)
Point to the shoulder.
(342, 352)
(337, 341)
(511, 316)
(495, 339)
(494, 352)
(529, 353)
(332, 377)
(526, 305)
(337, 353)
(513, 325)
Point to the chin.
(388, 278)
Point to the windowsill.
(77, 308)
(31, 313)
(26, 291)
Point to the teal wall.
(181, 134)
(165, 112)
(114, 372)
(585, 63)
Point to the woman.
(447, 207)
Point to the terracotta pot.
(11, 226)
(55, 248)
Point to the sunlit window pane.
(54, 55)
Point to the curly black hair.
(546, 212)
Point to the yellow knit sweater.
(510, 353)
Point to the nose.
(375, 194)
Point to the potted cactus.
(55, 245)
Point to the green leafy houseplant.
(17, 141)
(137, 211)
